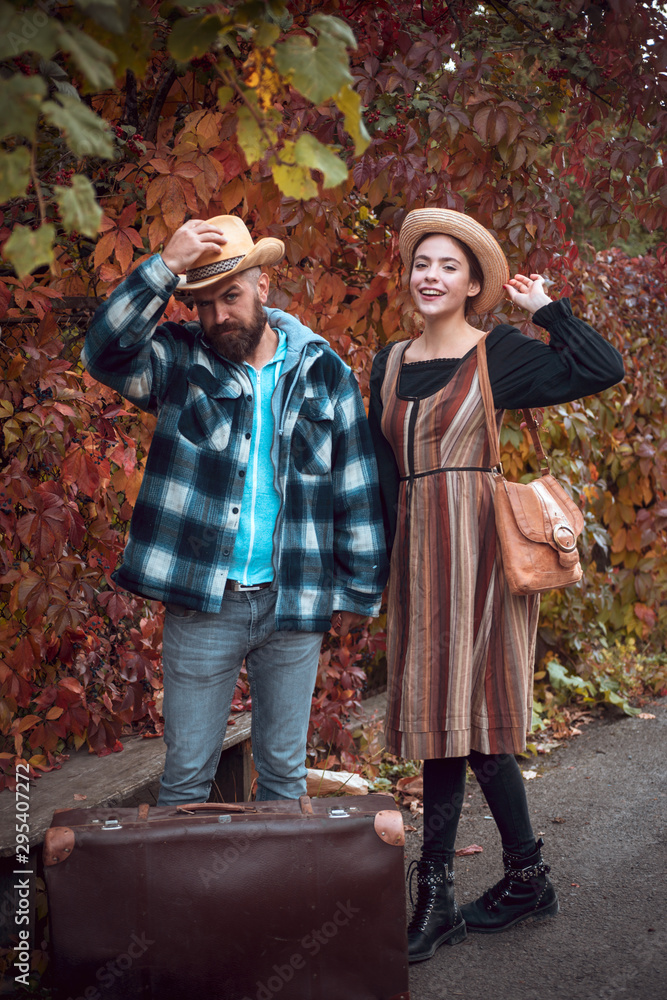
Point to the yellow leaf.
(349, 102)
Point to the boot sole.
(547, 911)
(455, 936)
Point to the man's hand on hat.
(527, 293)
(343, 622)
(189, 242)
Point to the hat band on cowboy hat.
(422, 222)
(208, 270)
(238, 253)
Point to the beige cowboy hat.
(238, 254)
(422, 222)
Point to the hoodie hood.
(298, 335)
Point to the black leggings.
(501, 781)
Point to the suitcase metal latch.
(112, 824)
(336, 812)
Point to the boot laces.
(429, 879)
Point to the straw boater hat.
(238, 254)
(423, 221)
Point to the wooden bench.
(131, 777)
(122, 779)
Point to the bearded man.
(258, 521)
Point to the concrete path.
(601, 805)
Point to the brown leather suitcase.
(246, 901)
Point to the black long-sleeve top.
(523, 372)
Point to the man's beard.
(243, 342)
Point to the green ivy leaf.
(93, 59)
(78, 206)
(114, 15)
(193, 36)
(326, 24)
(349, 102)
(27, 249)
(253, 140)
(309, 152)
(225, 95)
(21, 100)
(266, 35)
(294, 180)
(27, 31)
(14, 173)
(85, 132)
(318, 72)
(131, 48)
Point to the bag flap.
(544, 512)
(565, 502)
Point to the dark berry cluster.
(396, 131)
(64, 176)
(42, 394)
(556, 74)
(131, 140)
(23, 66)
(203, 62)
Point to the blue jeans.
(202, 656)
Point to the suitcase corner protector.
(58, 845)
(389, 827)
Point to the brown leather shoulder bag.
(537, 523)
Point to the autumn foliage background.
(321, 124)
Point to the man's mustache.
(228, 326)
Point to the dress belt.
(237, 587)
(450, 468)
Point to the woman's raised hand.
(528, 293)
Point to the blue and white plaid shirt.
(328, 543)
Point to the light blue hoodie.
(252, 557)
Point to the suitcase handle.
(238, 807)
(207, 807)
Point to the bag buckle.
(564, 546)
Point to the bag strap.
(487, 399)
(489, 410)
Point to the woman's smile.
(440, 275)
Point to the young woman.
(460, 646)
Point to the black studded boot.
(436, 918)
(525, 891)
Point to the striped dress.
(460, 646)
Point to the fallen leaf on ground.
(413, 785)
(471, 849)
(575, 884)
(558, 819)
(646, 715)
(417, 808)
(80, 798)
(410, 829)
(529, 774)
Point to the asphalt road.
(601, 805)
